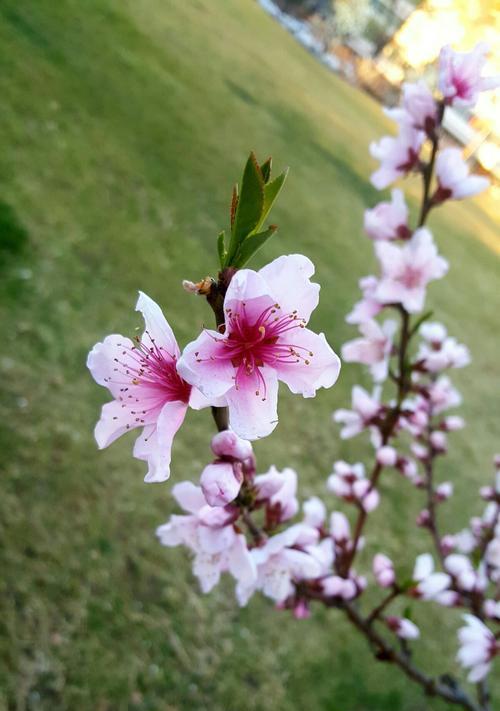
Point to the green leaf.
(271, 192)
(249, 207)
(266, 169)
(251, 245)
(221, 248)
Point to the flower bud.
(438, 442)
(453, 423)
(228, 444)
(444, 491)
(403, 627)
(220, 483)
(339, 527)
(383, 570)
(447, 544)
(492, 609)
(314, 512)
(387, 456)
(423, 518)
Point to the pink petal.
(156, 448)
(203, 364)
(318, 366)
(157, 327)
(189, 496)
(116, 419)
(102, 365)
(253, 416)
(289, 280)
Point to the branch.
(432, 687)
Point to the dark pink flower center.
(269, 340)
(411, 278)
(151, 367)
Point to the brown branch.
(385, 652)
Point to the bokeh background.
(124, 124)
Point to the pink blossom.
(314, 512)
(373, 349)
(460, 566)
(492, 558)
(148, 392)
(228, 444)
(339, 528)
(444, 491)
(419, 108)
(452, 423)
(210, 534)
(349, 482)
(402, 627)
(365, 409)
(439, 442)
(429, 583)
(265, 340)
(477, 648)
(397, 155)
(460, 75)
(443, 395)
(453, 177)
(279, 563)
(284, 502)
(335, 586)
(383, 570)
(387, 456)
(368, 306)
(407, 270)
(266, 485)
(388, 220)
(220, 483)
(492, 609)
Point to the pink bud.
(387, 456)
(453, 423)
(228, 444)
(408, 467)
(423, 518)
(496, 461)
(403, 627)
(438, 441)
(444, 491)
(419, 450)
(220, 483)
(492, 609)
(349, 590)
(339, 527)
(301, 610)
(332, 585)
(487, 493)
(383, 570)
(370, 501)
(447, 544)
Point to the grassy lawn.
(124, 124)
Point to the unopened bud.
(228, 444)
(220, 483)
(387, 456)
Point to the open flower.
(418, 107)
(397, 155)
(477, 648)
(148, 392)
(265, 339)
(460, 79)
(407, 270)
(349, 482)
(388, 220)
(365, 410)
(368, 307)
(453, 177)
(429, 584)
(373, 349)
(210, 534)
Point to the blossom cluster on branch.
(251, 525)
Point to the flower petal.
(202, 364)
(318, 366)
(155, 446)
(289, 280)
(116, 419)
(253, 416)
(157, 327)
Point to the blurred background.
(124, 124)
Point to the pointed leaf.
(250, 205)
(271, 192)
(251, 245)
(266, 169)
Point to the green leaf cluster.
(250, 206)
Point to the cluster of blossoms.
(251, 525)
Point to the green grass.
(124, 125)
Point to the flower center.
(411, 277)
(268, 340)
(151, 367)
